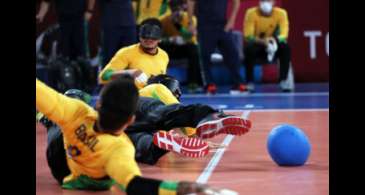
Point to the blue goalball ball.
(288, 145)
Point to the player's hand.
(190, 188)
(140, 78)
(88, 15)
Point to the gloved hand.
(140, 77)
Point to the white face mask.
(266, 7)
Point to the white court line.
(284, 110)
(258, 95)
(204, 176)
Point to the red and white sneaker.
(186, 146)
(233, 125)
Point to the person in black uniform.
(118, 26)
(214, 30)
(71, 15)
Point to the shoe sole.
(190, 147)
(229, 125)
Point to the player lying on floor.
(99, 153)
(150, 144)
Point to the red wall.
(310, 17)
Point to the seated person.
(141, 60)
(179, 43)
(91, 150)
(266, 30)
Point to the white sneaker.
(233, 125)
(187, 146)
(285, 86)
(251, 87)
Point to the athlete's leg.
(153, 115)
(56, 154)
(146, 151)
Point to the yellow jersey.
(91, 155)
(259, 26)
(169, 29)
(133, 57)
(151, 9)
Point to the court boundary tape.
(208, 170)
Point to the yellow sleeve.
(167, 59)
(160, 92)
(249, 25)
(118, 62)
(284, 26)
(58, 108)
(122, 167)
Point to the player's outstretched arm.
(57, 107)
(122, 167)
(141, 185)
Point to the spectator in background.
(118, 26)
(178, 42)
(214, 30)
(71, 15)
(266, 30)
(141, 60)
(150, 9)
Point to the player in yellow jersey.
(266, 30)
(145, 57)
(179, 43)
(97, 151)
(167, 92)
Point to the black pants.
(254, 52)
(72, 37)
(151, 115)
(56, 154)
(189, 51)
(115, 38)
(211, 38)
